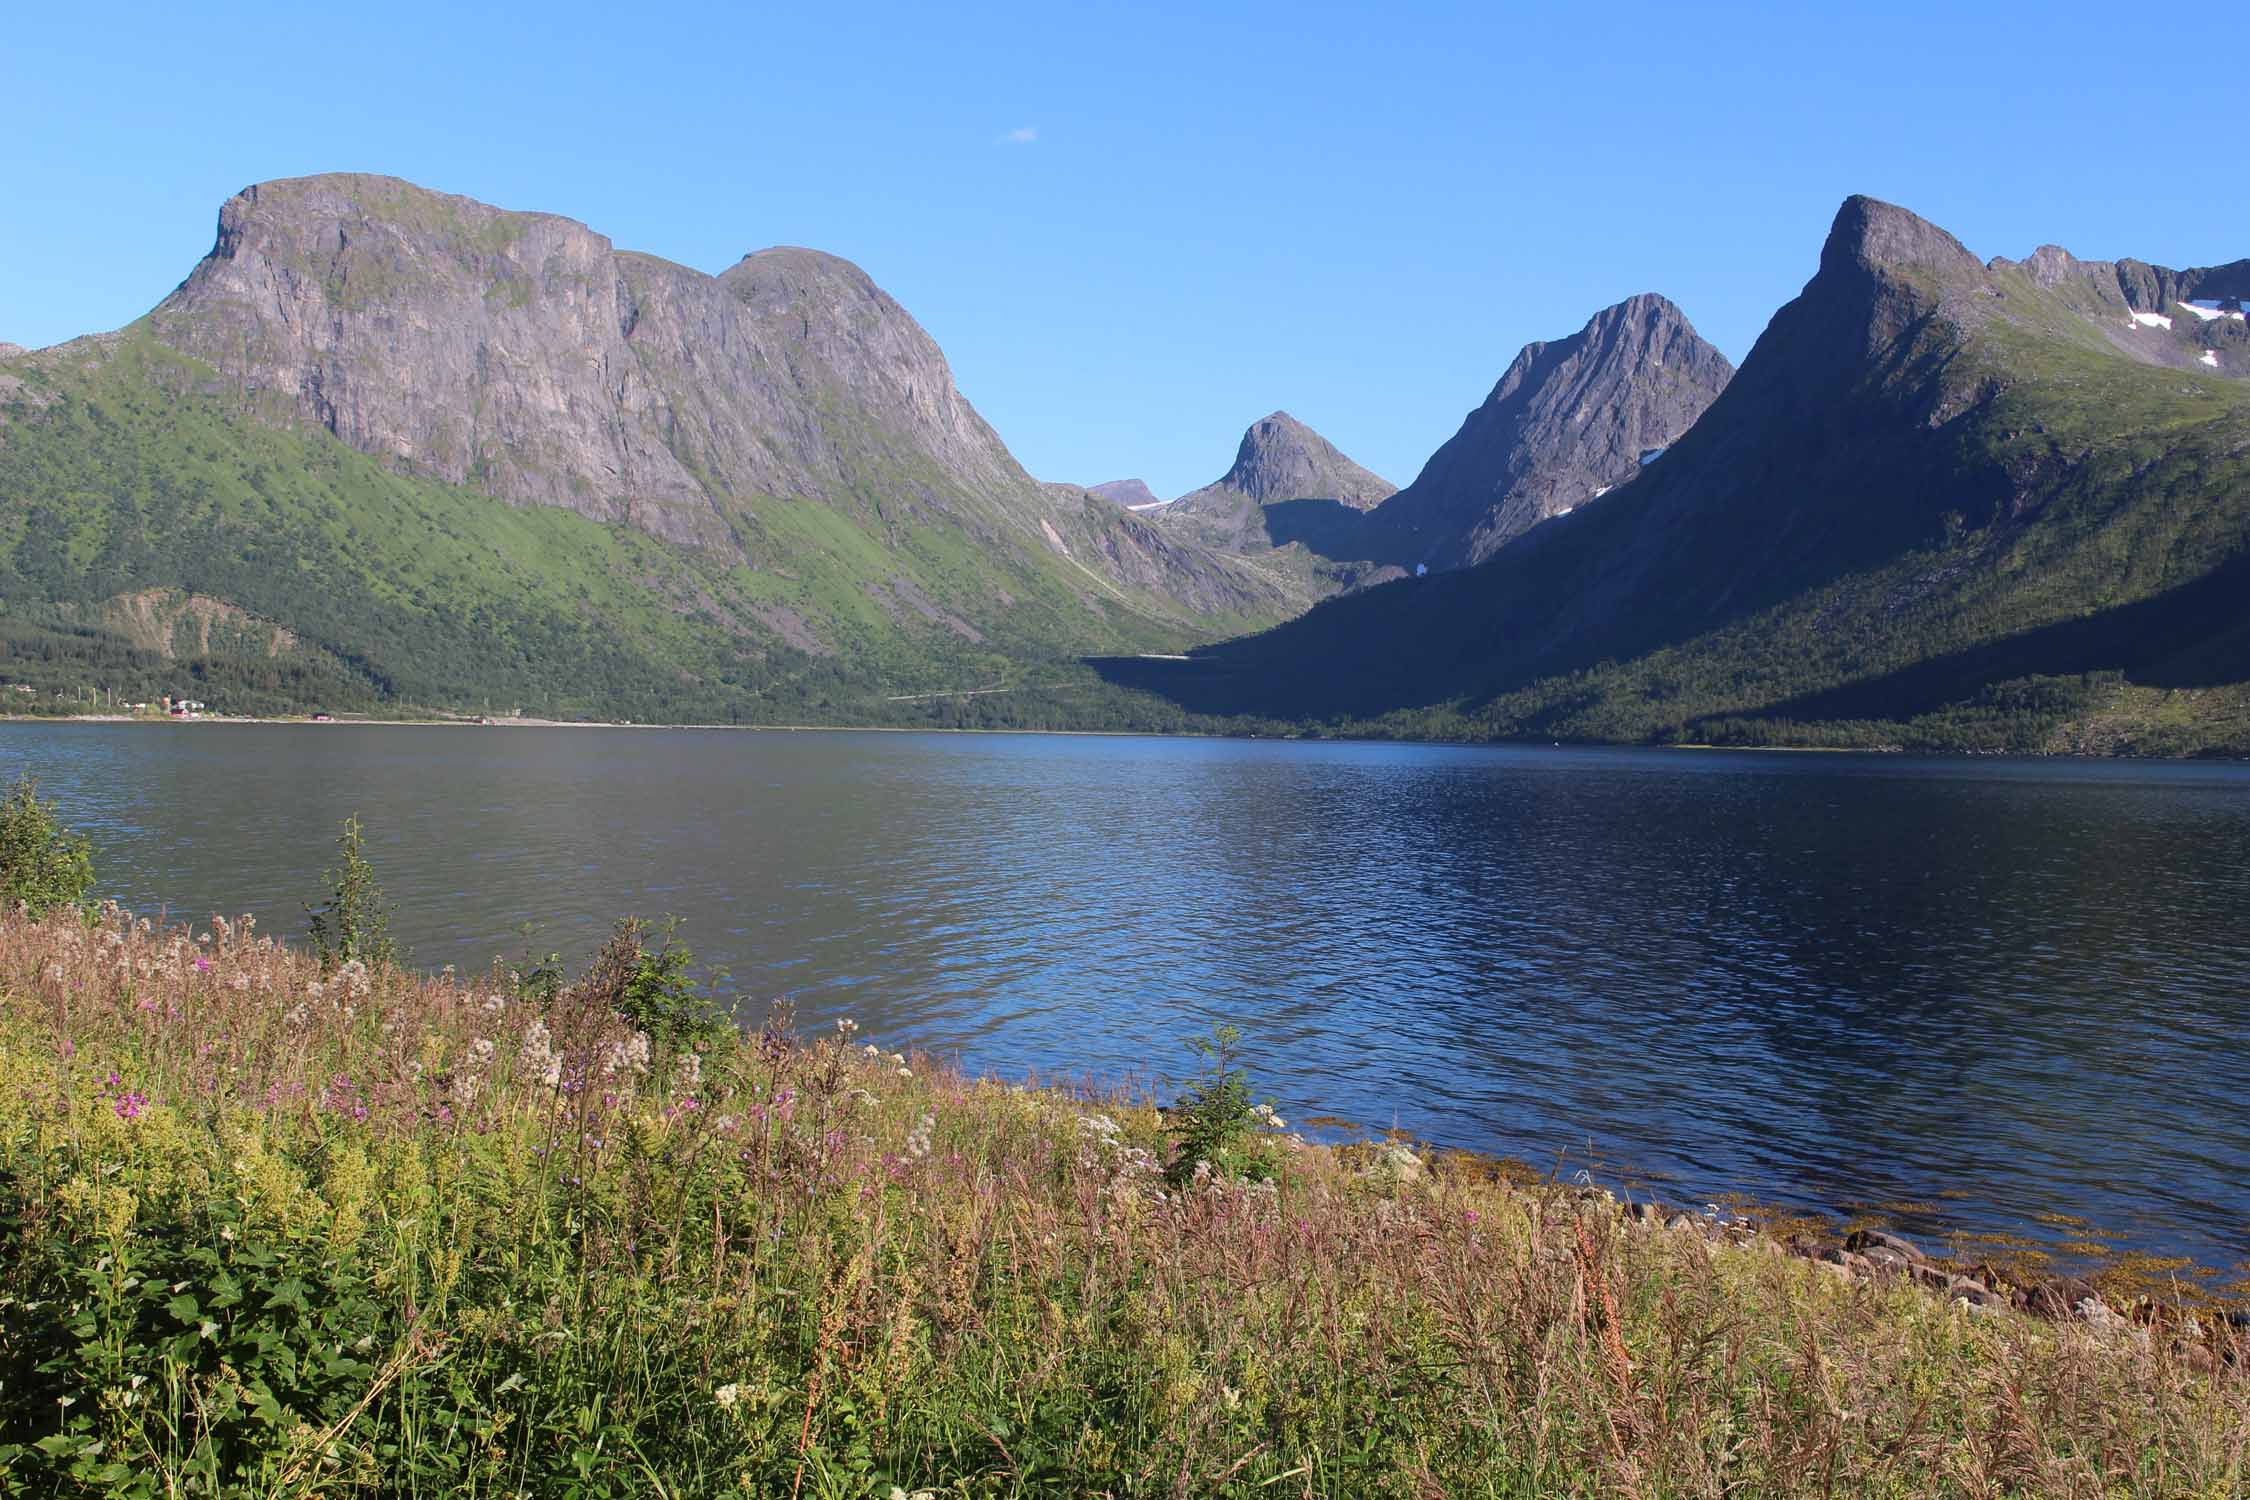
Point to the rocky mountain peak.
(790, 270)
(1871, 236)
(2049, 265)
(1568, 421)
(1133, 494)
(1280, 458)
(525, 354)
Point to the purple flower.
(202, 965)
(128, 1106)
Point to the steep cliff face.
(1566, 423)
(522, 353)
(1279, 460)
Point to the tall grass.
(265, 1232)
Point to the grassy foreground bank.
(269, 1231)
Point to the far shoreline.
(151, 721)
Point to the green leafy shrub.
(355, 921)
(653, 988)
(1217, 1124)
(537, 977)
(42, 864)
(239, 1341)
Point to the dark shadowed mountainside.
(1942, 503)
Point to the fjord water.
(1979, 993)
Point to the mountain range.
(384, 448)
(1945, 503)
(454, 454)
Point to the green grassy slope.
(126, 470)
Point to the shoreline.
(1144, 734)
(380, 1194)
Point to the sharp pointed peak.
(1869, 234)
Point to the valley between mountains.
(388, 450)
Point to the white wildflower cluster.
(350, 982)
(1265, 1116)
(896, 1061)
(481, 1051)
(918, 1143)
(628, 1055)
(224, 929)
(495, 1003)
(845, 1026)
(728, 1395)
(1102, 1149)
(691, 1071)
(466, 1087)
(539, 1057)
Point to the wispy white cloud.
(1022, 135)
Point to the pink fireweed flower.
(128, 1106)
(202, 965)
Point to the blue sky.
(1135, 229)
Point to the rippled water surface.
(1994, 989)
